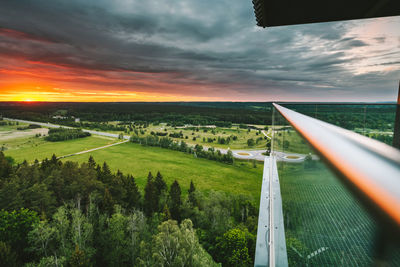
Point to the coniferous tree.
(150, 198)
(175, 201)
(192, 196)
(5, 167)
(160, 183)
(105, 174)
(161, 187)
(108, 202)
(133, 196)
(54, 159)
(92, 162)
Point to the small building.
(59, 117)
(77, 120)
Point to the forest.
(174, 113)
(348, 115)
(57, 213)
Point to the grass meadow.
(130, 158)
(241, 143)
(31, 148)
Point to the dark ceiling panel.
(289, 12)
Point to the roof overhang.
(290, 12)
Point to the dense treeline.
(385, 138)
(175, 114)
(65, 214)
(350, 116)
(197, 150)
(62, 134)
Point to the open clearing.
(37, 148)
(241, 143)
(240, 178)
(9, 131)
(200, 132)
(7, 135)
(138, 160)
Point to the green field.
(290, 141)
(241, 178)
(207, 175)
(31, 148)
(12, 127)
(241, 143)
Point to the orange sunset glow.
(45, 55)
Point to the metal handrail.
(369, 168)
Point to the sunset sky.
(131, 50)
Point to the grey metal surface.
(270, 13)
(270, 219)
(262, 248)
(278, 224)
(396, 132)
(370, 168)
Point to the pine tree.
(92, 162)
(160, 183)
(161, 187)
(175, 201)
(108, 202)
(5, 167)
(132, 192)
(105, 174)
(150, 198)
(192, 196)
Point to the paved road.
(93, 149)
(89, 150)
(264, 133)
(239, 154)
(50, 125)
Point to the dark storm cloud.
(212, 43)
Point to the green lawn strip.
(37, 148)
(207, 175)
(4, 128)
(296, 144)
(241, 143)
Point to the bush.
(62, 134)
(30, 126)
(250, 142)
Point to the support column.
(396, 134)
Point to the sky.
(189, 50)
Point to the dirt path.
(264, 133)
(93, 149)
(7, 135)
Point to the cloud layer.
(190, 50)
